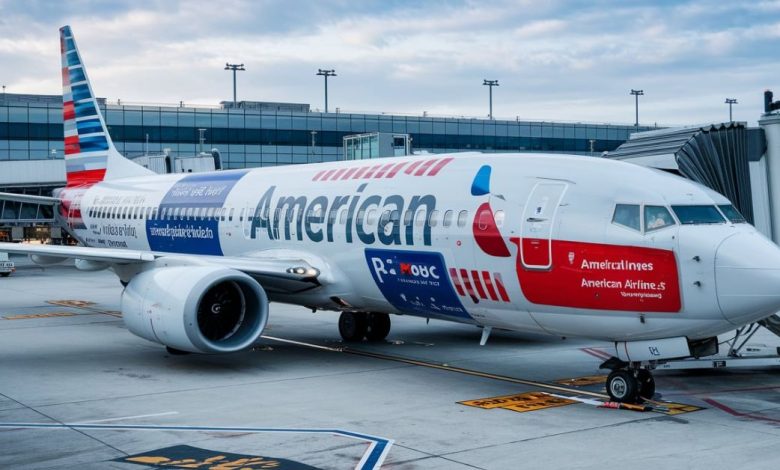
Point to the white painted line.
(167, 413)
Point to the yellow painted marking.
(583, 381)
(475, 373)
(39, 315)
(71, 303)
(677, 408)
(521, 402)
(217, 462)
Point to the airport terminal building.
(253, 134)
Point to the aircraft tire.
(5, 274)
(622, 386)
(353, 326)
(378, 326)
(646, 384)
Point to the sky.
(570, 61)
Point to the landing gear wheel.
(646, 384)
(353, 326)
(622, 386)
(378, 326)
(5, 274)
(124, 283)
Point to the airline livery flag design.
(86, 145)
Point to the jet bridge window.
(732, 214)
(657, 217)
(696, 215)
(627, 215)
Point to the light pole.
(730, 102)
(326, 74)
(235, 68)
(636, 94)
(490, 84)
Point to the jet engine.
(204, 309)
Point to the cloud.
(560, 60)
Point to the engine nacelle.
(204, 309)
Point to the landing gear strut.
(356, 326)
(629, 383)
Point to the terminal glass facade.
(31, 128)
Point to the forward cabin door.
(537, 224)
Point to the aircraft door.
(537, 224)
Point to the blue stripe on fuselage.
(192, 235)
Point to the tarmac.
(78, 391)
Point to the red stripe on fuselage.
(603, 277)
(439, 166)
(456, 281)
(384, 170)
(349, 173)
(501, 288)
(425, 167)
(396, 169)
(412, 167)
(338, 174)
(478, 284)
(489, 285)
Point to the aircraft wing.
(28, 198)
(284, 271)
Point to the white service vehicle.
(6, 265)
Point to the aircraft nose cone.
(747, 276)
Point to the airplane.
(542, 243)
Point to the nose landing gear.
(629, 382)
(356, 326)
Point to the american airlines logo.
(321, 218)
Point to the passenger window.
(230, 216)
(463, 218)
(419, 218)
(447, 219)
(627, 215)
(434, 218)
(657, 217)
(371, 217)
(384, 218)
(343, 217)
(407, 217)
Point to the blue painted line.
(372, 459)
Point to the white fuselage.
(527, 244)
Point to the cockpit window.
(627, 215)
(732, 214)
(698, 215)
(657, 217)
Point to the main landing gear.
(356, 326)
(628, 382)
